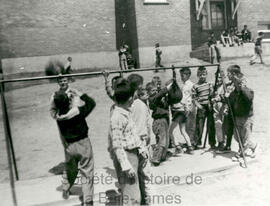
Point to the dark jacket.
(76, 128)
(242, 102)
(158, 103)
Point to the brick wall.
(50, 27)
(251, 12)
(167, 24)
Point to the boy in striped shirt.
(201, 94)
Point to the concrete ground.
(38, 149)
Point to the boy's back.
(141, 116)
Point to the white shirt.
(142, 118)
(187, 97)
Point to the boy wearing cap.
(241, 103)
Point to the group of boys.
(227, 110)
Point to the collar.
(122, 111)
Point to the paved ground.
(38, 147)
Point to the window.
(155, 2)
(217, 15)
(213, 15)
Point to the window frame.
(209, 15)
(155, 2)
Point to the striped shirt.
(202, 92)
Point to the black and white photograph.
(134, 102)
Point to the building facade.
(92, 31)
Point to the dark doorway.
(126, 27)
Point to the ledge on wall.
(155, 2)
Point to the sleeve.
(194, 93)
(116, 144)
(209, 41)
(247, 93)
(211, 90)
(70, 114)
(149, 124)
(90, 104)
(109, 90)
(158, 97)
(53, 109)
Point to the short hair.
(123, 92)
(260, 33)
(69, 59)
(61, 101)
(185, 70)
(149, 86)
(141, 92)
(201, 69)
(115, 80)
(156, 80)
(61, 77)
(157, 45)
(135, 80)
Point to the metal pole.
(7, 129)
(8, 144)
(100, 73)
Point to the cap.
(235, 69)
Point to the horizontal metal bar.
(100, 73)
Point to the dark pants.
(158, 62)
(202, 115)
(160, 129)
(214, 48)
(80, 157)
(130, 187)
(228, 129)
(246, 37)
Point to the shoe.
(251, 63)
(190, 150)
(65, 194)
(213, 147)
(156, 164)
(227, 149)
(236, 157)
(253, 154)
(178, 150)
(89, 203)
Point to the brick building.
(91, 31)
